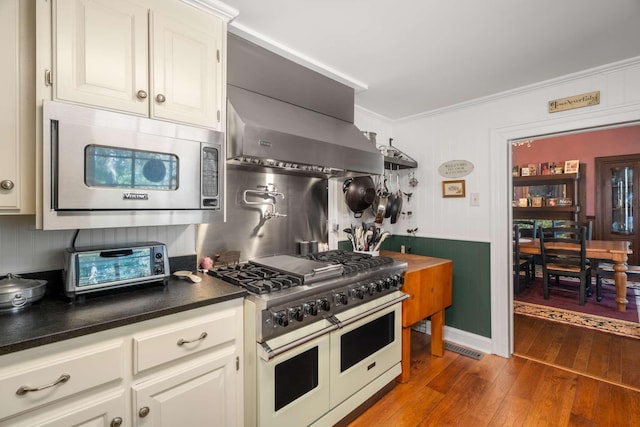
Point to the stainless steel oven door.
(364, 349)
(293, 387)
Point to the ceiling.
(413, 56)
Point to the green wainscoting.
(471, 307)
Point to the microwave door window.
(110, 167)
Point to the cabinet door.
(101, 54)
(201, 395)
(187, 71)
(618, 181)
(9, 124)
(102, 412)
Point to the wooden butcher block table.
(428, 282)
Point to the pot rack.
(396, 159)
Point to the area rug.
(563, 307)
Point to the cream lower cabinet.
(17, 107)
(181, 369)
(162, 59)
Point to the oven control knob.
(379, 285)
(358, 293)
(281, 318)
(324, 304)
(311, 308)
(371, 288)
(396, 280)
(387, 283)
(297, 313)
(342, 298)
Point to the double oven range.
(322, 334)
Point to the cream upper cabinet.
(17, 112)
(101, 54)
(161, 59)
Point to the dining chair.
(529, 230)
(605, 269)
(574, 224)
(520, 264)
(564, 253)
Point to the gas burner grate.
(352, 261)
(256, 279)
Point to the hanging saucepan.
(359, 193)
(17, 293)
(380, 207)
(396, 207)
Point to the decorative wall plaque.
(455, 168)
(584, 100)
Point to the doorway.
(501, 218)
(589, 147)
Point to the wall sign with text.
(455, 168)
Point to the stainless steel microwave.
(107, 169)
(99, 268)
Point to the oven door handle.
(353, 319)
(269, 353)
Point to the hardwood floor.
(493, 391)
(601, 355)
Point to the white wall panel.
(23, 249)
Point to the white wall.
(478, 131)
(23, 249)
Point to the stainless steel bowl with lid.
(17, 293)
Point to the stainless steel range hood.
(282, 115)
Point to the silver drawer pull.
(26, 389)
(200, 338)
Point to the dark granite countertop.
(54, 318)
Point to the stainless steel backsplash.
(305, 205)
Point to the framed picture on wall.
(571, 166)
(453, 188)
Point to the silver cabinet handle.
(141, 94)
(6, 184)
(200, 338)
(116, 422)
(144, 411)
(160, 98)
(26, 389)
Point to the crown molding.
(226, 12)
(607, 68)
(295, 56)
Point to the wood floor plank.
(630, 359)
(569, 348)
(553, 398)
(599, 356)
(586, 402)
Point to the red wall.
(585, 146)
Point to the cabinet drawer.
(86, 367)
(179, 340)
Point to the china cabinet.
(617, 200)
(555, 196)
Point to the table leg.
(437, 324)
(620, 278)
(406, 355)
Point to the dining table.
(615, 251)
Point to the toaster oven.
(98, 268)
